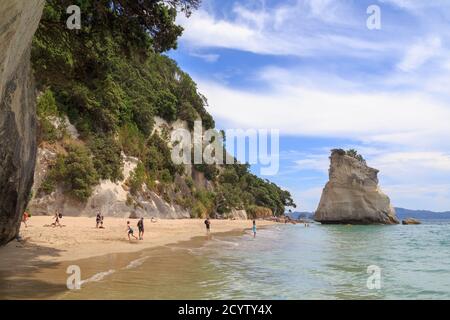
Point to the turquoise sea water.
(283, 262)
(291, 262)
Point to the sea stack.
(352, 194)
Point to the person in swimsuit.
(130, 231)
(140, 226)
(57, 217)
(208, 226)
(254, 228)
(25, 218)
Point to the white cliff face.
(352, 195)
(18, 23)
(110, 198)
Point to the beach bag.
(60, 215)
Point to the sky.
(314, 70)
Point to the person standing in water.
(254, 228)
(208, 226)
(130, 231)
(140, 226)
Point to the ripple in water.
(292, 262)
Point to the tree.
(354, 154)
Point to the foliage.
(46, 105)
(351, 153)
(354, 154)
(158, 160)
(111, 80)
(137, 179)
(75, 171)
(108, 158)
(47, 109)
(239, 188)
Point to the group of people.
(140, 225)
(99, 221)
(130, 232)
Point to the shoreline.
(78, 239)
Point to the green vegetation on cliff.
(111, 80)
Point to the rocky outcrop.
(410, 221)
(352, 195)
(236, 214)
(18, 22)
(113, 199)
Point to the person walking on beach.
(140, 225)
(98, 220)
(130, 231)
(254, 228)
(208, 226)
(25, 218)
(101, 221)
(56, 218)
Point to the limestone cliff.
(18, 22)
(113, 199)
(352, 194)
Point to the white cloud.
(420, 53)
(415, 5)
(308, 198)
(285, 30)
(408, 119)
(313, 162)
(208, 57)
(395, 162)
(395, 112)
(426, 196)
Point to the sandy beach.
(79, 239)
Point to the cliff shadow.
(24, 274)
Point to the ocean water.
(282, 262)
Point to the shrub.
(131, 140)
(199, 210)
(75, 171)
(108, 158)
(46, 105)
(137, 178)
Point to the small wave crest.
(136, 263)
(98, 277)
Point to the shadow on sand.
(20, 269)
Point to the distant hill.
(402, 213)
(300, 215)
(421, 214)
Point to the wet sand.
(79, 239)
(36, 268)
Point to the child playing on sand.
(254, 228)
(141, 228)
(130, 231)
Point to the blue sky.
(313, 70)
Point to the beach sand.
(79, 239)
